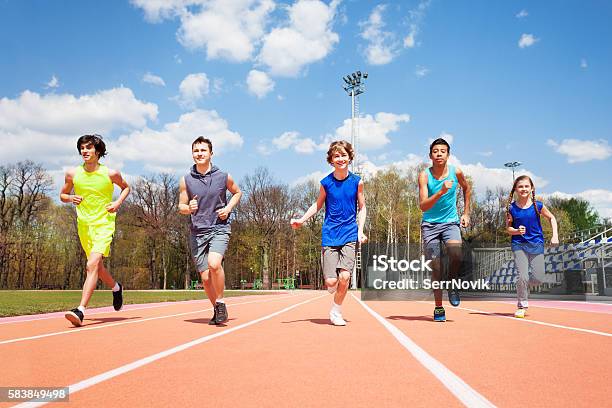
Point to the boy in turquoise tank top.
(90, 188)
(440, 225)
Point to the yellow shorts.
(96, 238)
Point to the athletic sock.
(116, 287)
(82, 309)
(220, 301)
(336, 308)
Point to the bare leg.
(208, 286)
(93, 266)
(344, 278)
(217, 273)
(105, 276)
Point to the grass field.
(23, 302)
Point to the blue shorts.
(436, 234)
(214, 240)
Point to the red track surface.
(296, 358)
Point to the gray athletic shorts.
(435, 234)
(214, 240)
(338, 257)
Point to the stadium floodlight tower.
(354, 85)
(513, 165)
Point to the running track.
(280, 351)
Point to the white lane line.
(525, 320)
(459, 388)
(57, 315)
(559, 307)
(147, 360)
(40, 336)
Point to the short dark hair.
(439, 141)
(339, 146)
(94, 139)
(202, 139)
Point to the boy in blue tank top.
(202, 195)
(440, 224)
(342, 193)
(524, 224)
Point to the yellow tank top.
(96, 188)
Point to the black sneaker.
(439, 314)
(453, 297)
(75, 316)
(213, 320)
(118, 298)
(221, 313)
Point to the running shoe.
(439, 314)
(118, 298)
(75, 316)
(221, 313)
(213, 319)
(453, 297)
(336, 319)
(520, 313)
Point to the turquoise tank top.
(445, 209)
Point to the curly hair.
(340, 146)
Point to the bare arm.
(510, 229)
(425, 202)
(185, 206)
(118, 179)
(65, 192)
(553, 222)
(233, 188)
(316, 206)
(467, 197)
(361, 215)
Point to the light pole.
(354, 85)
(512, 165)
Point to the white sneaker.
(520, 313)
(333, 289)
(336, 319)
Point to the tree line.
(40, 249)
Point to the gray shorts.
(338, 257)
(435, 234)
(215, 240)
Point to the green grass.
(24, 302)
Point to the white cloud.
(421, 71)
(583, 64)
(600, 199)
(53, 82)
(486, 154)
(527, 40)
(193, 88)
(259, 83)
(382, 45)
(175, 137)
(415, 19)
(280, 97)
(314, 176)
(522, 14)
(305, 39)
(292, 140)
(149, 78)
(217, 85)
(225, 29)
(55, 122)
(373, 130)
(582, 150)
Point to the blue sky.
(512, 80)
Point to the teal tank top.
(445, 209)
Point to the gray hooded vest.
(211, 189)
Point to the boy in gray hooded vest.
(203, 195)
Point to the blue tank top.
(533, 240)
(445, 209)
(211, 189)
(340, 224)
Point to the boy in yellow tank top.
(90, 188)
